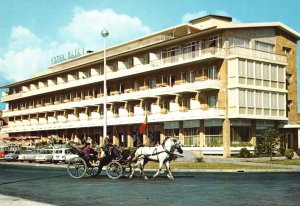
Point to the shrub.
(282, 151)
(198, 159)
(298, 152)
(289, 153)
(244, 153)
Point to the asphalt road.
(54, 186)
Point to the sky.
(34, 31)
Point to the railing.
(191, 140)
(213, 140)
(92, 121)
(247, 52)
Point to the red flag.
(143, 126)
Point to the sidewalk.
(15, 201)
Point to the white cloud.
(85, 27)
(194, 15)
(27, 53)
(22, 38)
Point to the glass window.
(190, 76)
(212, 102)
(281, 101)
(274, 100)
(239, 134)
(281, 74)
(266, 71)
(238, 42)
(242, 98)
(250, 98)
(242, 68)
(267, 100)
(262, 46)
(259, 99)
(273, 72)
(258, 74)
(212, 73)
(250, 69)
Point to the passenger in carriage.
(90, 152)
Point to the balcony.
(261, 55)
(96, 120)
(157, 64)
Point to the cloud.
(85, 27)
(194, 15)
(28, 53)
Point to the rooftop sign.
(67, 56)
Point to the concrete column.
(298, 138)
(202, 133)
(129, 137)
(162, 134)
(101, 141)
(226, 137)
(181, 137)
(145, 140)
(202, 136)
(253, 133)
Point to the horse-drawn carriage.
(116, 163)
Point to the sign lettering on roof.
(67, 56)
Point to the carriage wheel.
(127, 169)
(114, 170)
(77, 167)
(94, 171)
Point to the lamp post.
(104, 34)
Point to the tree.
(267, 141)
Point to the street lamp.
(104, 34)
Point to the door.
(288, 140)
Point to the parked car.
(63, 155)
(28, 155)
(12, 155)
(45, 155)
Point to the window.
(258, 99)
(212, 102)
(215, 41)
(190, 47)
(274, 101)
(240, 134)
(258, 70)
(273, 73)
(212, 73)
(136, 86)
(238, 42)
(286, 50)
(120, 88)
(190, 76)
(267, 100)
(152, 83)
(171, 52)
(266, 72)
(250, 98)
(281, 74)
(242, 68)
(262, 46)
(281, 101)
(242, 98)
(250, 69)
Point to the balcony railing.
(247, 52)
(125, 118)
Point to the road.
(54, 186)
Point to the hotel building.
(212, 83)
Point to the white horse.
(163, 154)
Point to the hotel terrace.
(212, 83)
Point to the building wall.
(284, 40)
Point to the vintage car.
(12, 155)
(28, 155)
(63, 155)
(45, 155)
